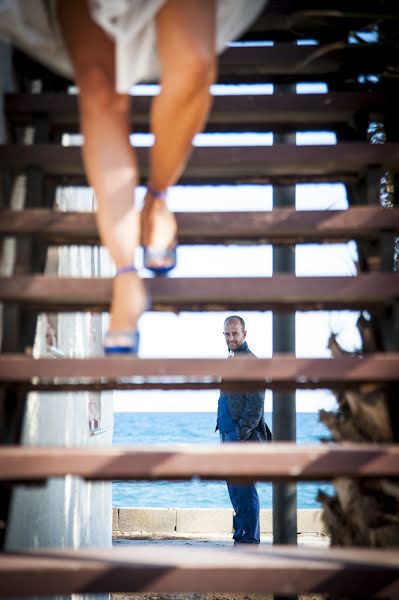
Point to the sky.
(190, 335)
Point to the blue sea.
(196, 428)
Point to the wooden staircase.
(364, 572)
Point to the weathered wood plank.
(262, 462)
(283, 370)
(280, 226)
(248, 164)
(280, 292)
(228, 113)
(153, 568)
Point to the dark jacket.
(247, 409)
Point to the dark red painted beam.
(247, 164)
(364, 572)
(262, 462)
(283, 370)
(229, 112)
(280, 292)
(280, 226)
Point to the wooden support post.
(284, 407)
(377, 254)
(6, 181)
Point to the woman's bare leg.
(186, 47)
(109, 159)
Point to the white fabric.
(33, 27)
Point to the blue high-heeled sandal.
(167, 256)
(122, 342)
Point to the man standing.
(241, 418)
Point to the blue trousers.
(245, 501)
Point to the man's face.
(234, 334)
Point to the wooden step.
(229, 113)
(286, 62)
(283, 371)
(260, 462)
(291, 63)
(247, 164)
(364, 572)
(280, 292)
(280, 226)
(299, 20)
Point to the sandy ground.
(226, 542)
(202, 597)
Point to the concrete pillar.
(66, 512)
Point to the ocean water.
(197, 428)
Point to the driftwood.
(362, 513)
(366, 513)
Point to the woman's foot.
(129, 301)
(159, 232)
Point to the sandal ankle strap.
(127, 269)
(158, 194)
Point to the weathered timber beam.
(133, 373)
(248, 164)
(229, 113)
(153, 568)
(262, 462)
(280, 226)
(280, 292)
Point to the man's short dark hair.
(235, 318)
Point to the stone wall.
(196, 521)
